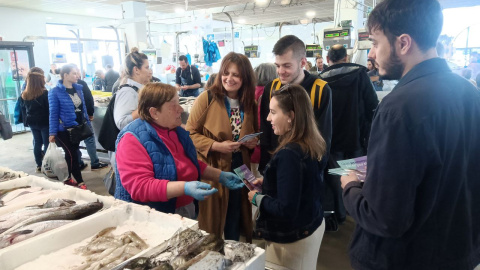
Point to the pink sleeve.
(203, 166)
(136, 172)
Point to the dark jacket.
(323, 117)
(34, 112)
(189, 76)
(110, 78)
(87, 95)
(162, 159)
(353, 102)
(419, 206)
(291, 209)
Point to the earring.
(289, 121)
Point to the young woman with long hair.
(290, 214)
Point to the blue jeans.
(40, 137)
(91, 150)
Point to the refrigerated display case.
(16, 58)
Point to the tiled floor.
(17, 154)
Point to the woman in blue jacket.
(290, 214)
(67, 109)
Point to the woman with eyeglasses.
(290, 214)
(218, 119)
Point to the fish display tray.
(165, 226)
(34, 181)
(78, 195)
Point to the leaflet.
(248, 178)
(357, 165)
(248, 137)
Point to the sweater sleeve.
(89, 103)
(126, 101)
(203, 166)
(53, 107)
(135, 168)
(289, 187)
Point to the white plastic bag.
(54, 164)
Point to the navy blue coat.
(420, 206)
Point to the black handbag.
(5, 127)
(79, 133)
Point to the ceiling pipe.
(233, 37)
(118, 44)
(280, 29)
(177, 45)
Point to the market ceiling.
(249, 12)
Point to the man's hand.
(345, 179)
(51, 139)
(184, 87)
(90, 117)
(225, 147)
(251, 194)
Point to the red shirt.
(136, 168)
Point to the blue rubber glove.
(198, 190)
(231, 180)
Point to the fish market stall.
(56, 249)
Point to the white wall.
(17, 24)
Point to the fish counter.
(69, 228)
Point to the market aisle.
(17, 154)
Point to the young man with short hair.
(290, 59)
(319, 65)
(419, 206)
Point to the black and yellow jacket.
(321, 100)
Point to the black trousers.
(333, 200)
(71, 155)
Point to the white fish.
(19, 192)
(30, 231)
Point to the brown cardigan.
(208, 123)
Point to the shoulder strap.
(276, 84)
(316, 93)
(128, 85)
(210, 97)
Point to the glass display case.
(16, 58)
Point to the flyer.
(248, 137)
(248, 178)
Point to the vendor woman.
(156, 161)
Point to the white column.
(136, 31)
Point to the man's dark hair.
(421, 19)
(108, 66)
(290, 42)
(183, 58)
(336, 53)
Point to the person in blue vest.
(156, 161)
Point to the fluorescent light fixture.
(242, 21)
(285, 2)
(310, 14)
(261, 2)
(304, 21)
(179, 10)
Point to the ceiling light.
(261, 2)
(179, 10)
(242, 21)
(285, 2)
(310, 14)
(304, 21)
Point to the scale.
(341, 35)
(252, 51)
(313, 50)
(363, 42)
